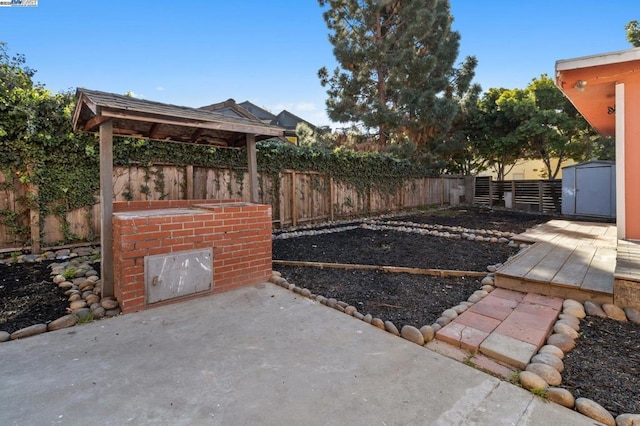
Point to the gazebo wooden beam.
(106, 207)
(253, 167)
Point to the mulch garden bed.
(603, 367)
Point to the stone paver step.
(506, 326)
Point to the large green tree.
(38, 145)
(550, 127)
(633, 33)
(396, 71)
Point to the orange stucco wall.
(632, 159)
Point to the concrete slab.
(508, 350)
(257, 355)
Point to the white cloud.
(160, 89)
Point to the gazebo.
(116, 115)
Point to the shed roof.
(590, 163)
(154, 120)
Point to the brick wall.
(239, 234)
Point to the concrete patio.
(255, 355)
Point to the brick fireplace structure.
(157, 245)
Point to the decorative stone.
(436, 327)
(358, 315)
(549, 359)
(594, 309)
(561, 396)
(350, 310)
(474, 298)
(412, 334)
(492, 268)
(628, 420)
(92, 298)
(62, 322)
(58, 279)
(488, 288)
(367, 318)
(481, 293)
(553, 350)
(633, 315)
(99, 312)
(332, 303)
(112, 312)
(338, 308)
(83, 314)
(547, 372)
(487, 281)
(305, 292)
(570, 302)
(595, 411)
(321, 299)
(78, 304)
(109, 303)
(342, 304)
(377, 322)
(460, 308)
(391, 328)
(572, 325)
(65, 284)
(562, 341)
(95, 278)
(428, 333)
(442, 321)
(4, 336)
(614, 312)
(532, 381)
(74, 297)
(450, 313)
(576, 311)
(565, 329)
(573, 321)
(291, 287)
(29, 331)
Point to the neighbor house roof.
(589, 82)
(261, 113)
(290, 121)
(231, 109)
(154, 120)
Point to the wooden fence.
(302, 197)
(529, 195)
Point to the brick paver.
(505, 327)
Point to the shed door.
(593, 196)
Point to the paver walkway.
(507, 326)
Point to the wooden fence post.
(34, 216)
(189, 178)
(540, 196)
(490, 191)
(280, 200)
(331, 192)
(294, 205)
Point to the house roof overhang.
(589, 82)
(140, 118)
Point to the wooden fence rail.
(296, 198)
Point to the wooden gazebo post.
(106, 210)
(253, 167)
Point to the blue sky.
(268, 52)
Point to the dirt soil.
(603, 367)
(28, 296)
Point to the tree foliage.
(396, 69)
(633, 33)
(38, 145)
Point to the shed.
(589, 189)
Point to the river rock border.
(543, 373)
(76, 275)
